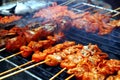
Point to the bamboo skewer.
(2, 49)
(114, 9)
(68, 78)
(10, 56)
(21, 70)
(52, 78)
(10, 70)
(116, 14)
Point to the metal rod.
(10, 70)
(114, 9)
(71, 1)
(52, 78)
(79, 6)
(67, 2)
(100, 7)
(2, 49)
(21, 70)
(88, 8)
(68, 78)
(10, 56)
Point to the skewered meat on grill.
(2, 42)
(26, 35)
(9, 19)
(85, 62)
(114, 77)
(15, 43)
(115, 23)
(57, 58)
(12, 34)
(33, 46)
(96, 23)
(81, 62)
(108, 66)
(87, 70)
(25, 38)
(37, 56)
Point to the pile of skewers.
(83, 62)
(96, 23)
(15, 37)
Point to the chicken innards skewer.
(34, 46)
(57, 47)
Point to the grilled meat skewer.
(33, 46)
(87, 59)
(24, 36)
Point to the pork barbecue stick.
(51, 40)
(59, 46)
(73, 58)
(72, 51)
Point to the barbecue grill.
(109, 43)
